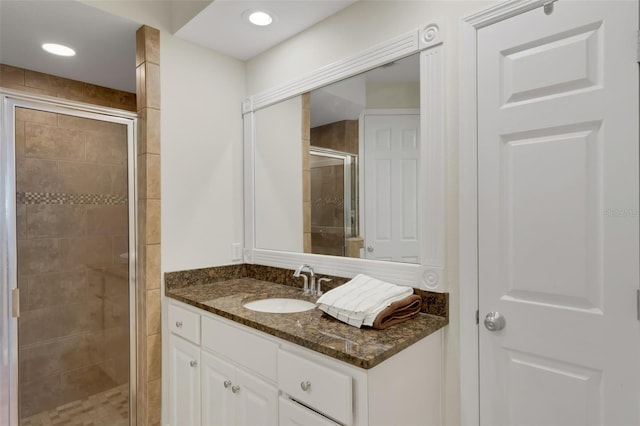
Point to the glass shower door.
(72, 232)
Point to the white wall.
(202, 161)
(358, 27)
(278, 179)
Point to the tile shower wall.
(327, 188)
(72, 229)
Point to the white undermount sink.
(279, 305)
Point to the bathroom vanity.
(231, 365)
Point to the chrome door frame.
(9, 101)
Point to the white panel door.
(184, 382)
(391, 170)
(257, 401)
(218, 400)
(558, 216)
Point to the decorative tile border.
(61, 198)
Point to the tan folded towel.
(398, 312)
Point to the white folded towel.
(360, 300)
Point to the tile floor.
(108, 408)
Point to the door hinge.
(477, 316)
(638, 303)
(15, 303)
(638, 46)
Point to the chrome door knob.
(370, 249)
(494, 321)
(305, 385)
(235, 389)
(193, 363)
(179, 324)
(227, 383)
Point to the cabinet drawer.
(322, 388)
(243, 347)
(294, 414)
(184, 323)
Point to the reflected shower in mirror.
(336, 169)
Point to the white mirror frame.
(429, 274)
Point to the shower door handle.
(15, 302)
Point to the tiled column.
(148, 323)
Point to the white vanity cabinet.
(231, 374)
(184, 382)
(231, 396)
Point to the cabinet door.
(257, 401)
(184, 382)
(294, 414)
(218, 400)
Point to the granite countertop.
(362, 347)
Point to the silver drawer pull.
(227, 383)
(305, 385)
(179, 324)
(193, 363)
(235, 389)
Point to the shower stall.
(67, 298)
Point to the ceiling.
(105, 43)
(222, 26)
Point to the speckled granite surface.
(312, 329)
(432, 303)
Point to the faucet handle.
(319, 289)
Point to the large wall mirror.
(344, 167)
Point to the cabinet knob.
(227, 383)
(305, 385)
(235, 389)
(193, 363)
(179, 324)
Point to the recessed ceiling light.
(58, 49)
(260, 18)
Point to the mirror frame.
(429, 273)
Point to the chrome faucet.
(308, 289)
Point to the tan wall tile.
(108, 220)
(51, 142)
(152, 45)
(35, 116)
(153, 311)
(21, 221)
(86, 251)
(141, 88)
(35, 175)
(154, 401)
(153, 221)
(38, 80)
(45, 359)
(153, 131)
(152, 85)
(154, 357)
(39, 256)
(80, 123)
(81, 317)
(19, 139)
(141, 172)
(106, 148)
(153, 176)
(40, 395)
(152, 258)
(84, 178)
(38, 325)
(53, 220)
(11, 75)
(119, 179)
(141, 139)
(57, 288)
(69, 88)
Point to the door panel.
(391, 169)
(558, 216)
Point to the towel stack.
(370, 302)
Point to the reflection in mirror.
(336, 169)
